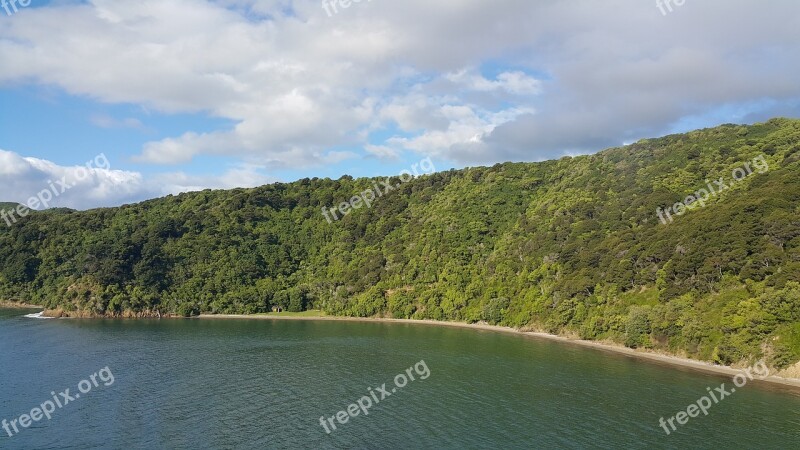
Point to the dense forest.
(572, 246)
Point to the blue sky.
(183, 95)
(70, 129)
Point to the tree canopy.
(567, 246)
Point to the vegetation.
(8, 206)
(568, 246)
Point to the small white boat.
(39, 315)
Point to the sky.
(126, 100)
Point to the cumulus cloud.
(44, 184)
(516, 82)
(246, 175)
(467, 127)
(383, 152)
(470, 81)
(47, 184)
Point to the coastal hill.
(601, 247)
(8, 206)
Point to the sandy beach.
(791, 384)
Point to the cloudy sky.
(183, 95)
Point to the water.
(265, 384)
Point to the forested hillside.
(8, 206)
(570, 246)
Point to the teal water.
(199, 384)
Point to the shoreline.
(675, 362)
(12, 305)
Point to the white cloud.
(516, 82)
(246, 175)
(467, 127)
(96, 183)
(383, 152)
(83, 186)
(297, 83)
